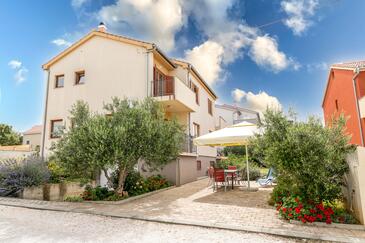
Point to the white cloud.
(264, 51)
(21, 71)
(14, 64)
(258, 102)
(317, 66)
(299, 13)
(207, 59)
(61, 42)
(78, 3)
(154, 20)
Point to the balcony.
(188, 145)
(174, 94)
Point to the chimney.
(102, 27)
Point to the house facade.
(227, 115)
(33, 137)
(345, 94)
(102, 65)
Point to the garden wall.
(355, 190)
(53, 192)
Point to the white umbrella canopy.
(235, 135)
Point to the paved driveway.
(196, 204)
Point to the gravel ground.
(28, 225)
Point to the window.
(198, 165)
(196, 130)
(336, 103)
(60, 81)
(27, 142)
(56, 128)
(210, 107)
(80, 77)
(196, 91)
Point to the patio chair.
(219, 178)
(268, 179)
(229, 176)
(210, 175)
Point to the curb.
(333, 225)
(261, 230)
(129, 199)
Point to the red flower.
(297, 210)
(328, 221)
(284, 210)
(300, 205)
(303, 220)
(290, 215)
(312, 210)
(290, 209)
(278, 208)
(319, 216)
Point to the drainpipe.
(147, 68)
(357, 72)
(45, 118)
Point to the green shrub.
(73, 199)
(156, 183)
(96, 194)
(253, 171)
(135, 184)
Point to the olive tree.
(8, 136)
(129, 130)
(309, 158)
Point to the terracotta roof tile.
(34, 130)
(350, 65)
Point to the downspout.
(148, 93)
(45, 118)
(357, 72)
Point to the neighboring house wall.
(340, 98)
(355, 190)
(227, 115)
(34, 140)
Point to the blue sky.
(256, 53)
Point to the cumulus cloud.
(20, 71)
(258, 102)
(264, 51)
(78, 3)
(61, 42)
(207, 59)
(154, 20)
(14, 64)
(299, 13)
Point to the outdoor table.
(228, 172)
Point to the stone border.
(333, 225)
(129, 199)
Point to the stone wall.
(54, 192)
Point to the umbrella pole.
(247, 169)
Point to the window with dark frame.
(60, 81)
(196, 130)
(198, 165)
(27, 142)
(196, 91)
(80, 77)
(210, 107)
(56, 128)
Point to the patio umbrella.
(235, 135)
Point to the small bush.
(253, 171)
(135, 184)
(27, 172)
(73, 199)
(96, 194)
(156, 183)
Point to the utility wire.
(271, 23)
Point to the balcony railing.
(188, 145)
(164, 87)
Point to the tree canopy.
(8, 136)
(309, 158)
(129, 131)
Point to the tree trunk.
(121, 179)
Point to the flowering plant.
(296, 208)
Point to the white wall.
(34, 140)
(111, 69)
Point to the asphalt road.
(28, 225)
